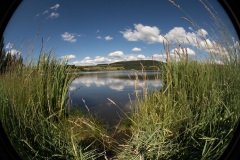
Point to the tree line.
(8, 62)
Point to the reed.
(33, 109)
(195, 114)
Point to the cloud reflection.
(113, 82)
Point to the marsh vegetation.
(193, 115)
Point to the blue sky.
(89, 32)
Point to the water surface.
(106, 93)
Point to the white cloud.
(87, 58)
(67, 57)
(141, 56)
(196, 39)
(14, 52)
(179, 35)
(68, 37)
(159, 57)
(136, 49)
(108, 38)
(53, 15)
(55, 7)
(143, 33)
(116, 54)
(202, 32)
(100, 59)
(87, 61)
(183, 51)
(134, 57)
(190, 51)
(9, 46)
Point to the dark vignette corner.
(7, 8)
(232, 9)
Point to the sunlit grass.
(33, 112)
(193, 116)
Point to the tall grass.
(197, 110)
(193, 116)
(33, 103)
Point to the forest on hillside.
(123, 65)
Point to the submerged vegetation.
(193, 116)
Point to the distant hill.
(123, 65)
(128, 65)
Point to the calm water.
(94, 89)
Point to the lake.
(101, 91)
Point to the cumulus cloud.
(67, 57)
(143, 33)
(116, 54)
(87, 61)
(182, 51)
(160, 56)
(108, 38)
(151, 34)
(202, 32)
(141, 56)
(100, 59)
(134, 57)
(179, 35)
(55, 7)
(13, 52)
(68, 37)
(135, 49)
(196, 39)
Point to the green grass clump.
(33, 111)
(193, 116)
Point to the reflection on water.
(94, 88)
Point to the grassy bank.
(33, 103)
(194, 116)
